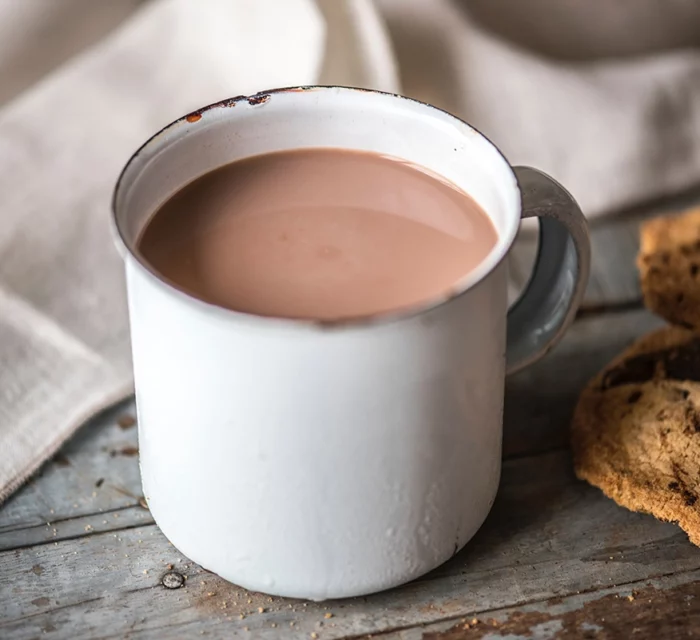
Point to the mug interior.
(312, 117)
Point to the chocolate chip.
(694, 268)
(678, 363)
(686, 366)
(680, 297)
(690, 498)
(673, 486)
(682, 393)
(633, 397)
(692, 419)
(635, 370)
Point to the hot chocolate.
(317, 233)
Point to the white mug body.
(313, 459)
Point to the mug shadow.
(537, 482)
(531, 496)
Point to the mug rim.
(386, 317)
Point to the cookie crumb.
(126, 422)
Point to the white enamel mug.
(321, 460)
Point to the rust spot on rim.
(196, 116)
(258, 98)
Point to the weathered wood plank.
(667, 607)
(548, 535)
(76, 527)
(615, 241)
(95, 472)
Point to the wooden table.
(80, 555)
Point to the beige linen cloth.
(84, 82)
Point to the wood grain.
(666, 608)
(94, 474)
(548, 535)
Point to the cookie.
(669, 265)
(636, 429)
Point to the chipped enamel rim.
(154, 145)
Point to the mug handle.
(547, 307)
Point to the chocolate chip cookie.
(636, 429)
(669, 264)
